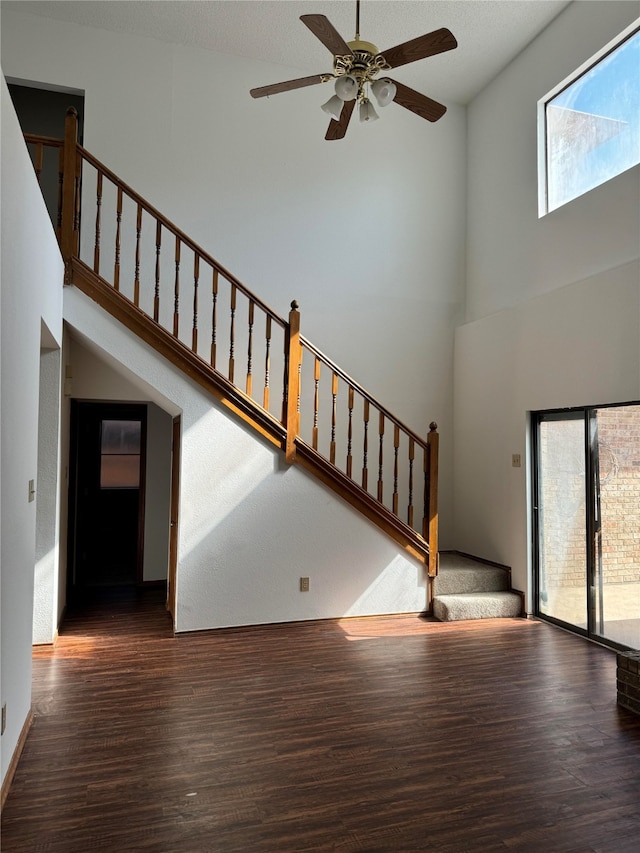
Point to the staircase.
(172, 294)
(470, 589)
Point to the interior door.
(107, 494)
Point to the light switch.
(32, 490)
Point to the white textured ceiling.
(490, 33)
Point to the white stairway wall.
(250, 526)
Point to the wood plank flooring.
(381, 734)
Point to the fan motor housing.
(364, 64)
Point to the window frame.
(543, 177)
(137, 454)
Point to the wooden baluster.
(431, 495)
(316, 402)
(76, 207)
(334, 413)
(136, 278)
(69, 166)
(38, 160)
(396, 445)
(365, 446)
(250, 350)
(291, 400)
(350, 433)
(156, 294)
(116, 268)
(60, 185)
(299, 388)
(380, 456)
(96, 247)
(232, 334)
(267, 364)
(214, 317)
(410, 503)
(176, 292)
(425, 509)
(196, 281)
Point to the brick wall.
(628, 680)
(619, 450)
(563, 546)
(563, 502)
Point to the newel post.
(292, 390)
(431, 520)
(69, 231)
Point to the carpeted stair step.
(476, 578)
(466, 588)
(477, 605)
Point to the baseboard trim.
(293, 623)
(8, 779)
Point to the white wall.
(512, 255)
(47, 569)
(367, 234)
(553, 304)
(157, 494)
(31, 295)
(249, 526)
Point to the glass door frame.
(593, 533)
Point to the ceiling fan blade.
(419, 48)
(323, 29)
(337, 129)
(418, 103)
(288, 85)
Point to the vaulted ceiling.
(490, 33)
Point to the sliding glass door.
(587, 521)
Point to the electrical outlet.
(516, 462)
(3, 726)
(304, 584)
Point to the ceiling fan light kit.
(367, 112)
(384, 91)
(356, 65)
(347, 87)
(333, 106)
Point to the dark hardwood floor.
(380, 734)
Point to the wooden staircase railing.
(152, 277)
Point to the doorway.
(42, 111)
(586, 521)
(106, 496)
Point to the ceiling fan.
(356, 66)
